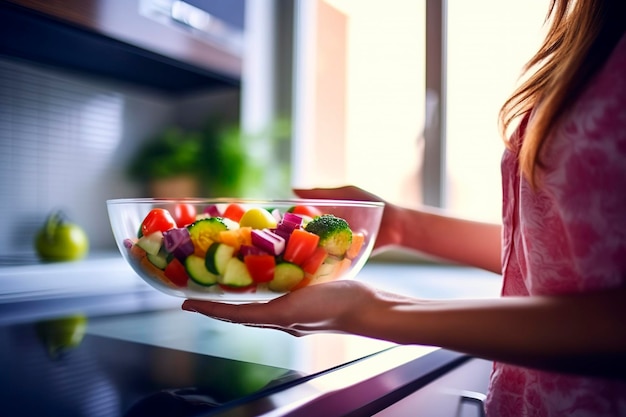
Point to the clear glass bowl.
(240, 250)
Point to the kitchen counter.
(140, 352)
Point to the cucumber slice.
(217, 256)
(151, 243)
(236, 274)
(197, 271)
(159, 260)
(203, 232)
(286, 276)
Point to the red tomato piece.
(184, 214)
(300, 246)
(158, 219)
(260, 267)
(306, 210)
(312, 264)
(234, 212)
(175, 271)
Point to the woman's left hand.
(340, 306)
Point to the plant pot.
(175, 187)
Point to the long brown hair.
(580, 38)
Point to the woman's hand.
(388, 234)
(427, 230)
(339, 307)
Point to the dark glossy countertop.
(136, 353)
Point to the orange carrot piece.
(357, 243)
(237, 237)
(137, 252)
(341, 268)
(149, 268)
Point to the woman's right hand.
(426, 230)
(388, 234)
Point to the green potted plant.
(178, 163)
(222, 160)
(167, 164)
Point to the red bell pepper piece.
(175, 272)
(301, 246)
(311, 264)
(260, 267)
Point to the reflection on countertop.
(107, 274)
(133, 329)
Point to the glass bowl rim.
(248, 201)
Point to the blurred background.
(105, 99)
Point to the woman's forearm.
(461, 241)
(579, 333)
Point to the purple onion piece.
(178, 242)
(212, 211)
(128, 243)
(291, 218)
(282, 232)
(290, 222)
(174, 238)
(246, 250)
(287, 227)
(268, 241)
(182, 251)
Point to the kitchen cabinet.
(458, 393)
(138, 41)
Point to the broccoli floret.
(334, 232)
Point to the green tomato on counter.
(63, 333)
(61, 240)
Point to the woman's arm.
(458, 240)
(428, 231)
(581, 334)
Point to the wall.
(65, 140)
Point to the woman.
(558, 333)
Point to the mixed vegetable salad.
(237, 248)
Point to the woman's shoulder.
(610, 81)
(597, 120)
(585, 173)
(620, 50)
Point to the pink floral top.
(568, 237)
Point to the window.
(359, 96)
(488, 43)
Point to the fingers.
(237, 313)
(244, 314)
(340, 193)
